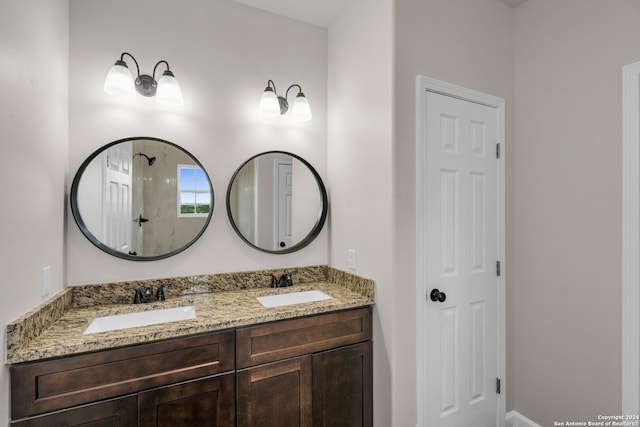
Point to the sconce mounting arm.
(286, 95)
(134, 60)
(156, 66)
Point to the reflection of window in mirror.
(194, 197)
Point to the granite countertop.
(56, 328)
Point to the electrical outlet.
(352, 263)
(46, 281)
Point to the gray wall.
(360, 153)
(33, 134)
(565, 271)
(468, 43)
(222, 53)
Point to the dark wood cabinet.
(343, 386)
(55, 384)
(302, 372)
(323, 380)
(209, 402)
(276, 394)
(121, 412)
(73, 390)
(282, 339)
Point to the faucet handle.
(160, 293)
(137, 297)
(274, 281)
(288, 279)
(285, 280)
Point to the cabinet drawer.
(121, 412)
(289, 338)
(61, 383)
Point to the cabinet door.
(275, 395)
(343, 387)
(122, 412)
(208, 402)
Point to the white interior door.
(284, 214)
(117, 220)
(461, 238)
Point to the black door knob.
(282, 244)
(437, 296)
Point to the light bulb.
(168, 91)
(300, 110)
(269, 104)
(119, 81)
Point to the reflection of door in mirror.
(284, 194)
(108, 211)
(117, 198)
(273, 201)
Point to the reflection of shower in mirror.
(125, 199)
(151, 160)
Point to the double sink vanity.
(220, 350)
(281, 348)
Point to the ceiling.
(513, 3)
(317, 12)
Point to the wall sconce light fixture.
(120, 82)
(273, 105)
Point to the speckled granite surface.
(222, 301)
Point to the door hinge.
(498, 268)
(497, 150)
(498, 385)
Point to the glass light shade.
(119, 81)
(300, 110)
(269, 104)
(169, 92)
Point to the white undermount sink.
(278, 300)
(143, 318)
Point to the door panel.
(117, 192)
(275, 395)
(461, 231)
(342, 387)
(284, 204)
(208, 402)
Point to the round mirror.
(277, 202)
(142, 199)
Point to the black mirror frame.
(73, 199)
(315, 231)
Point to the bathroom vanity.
(118, 387)
(237, 363)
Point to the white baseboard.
(515, 419)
